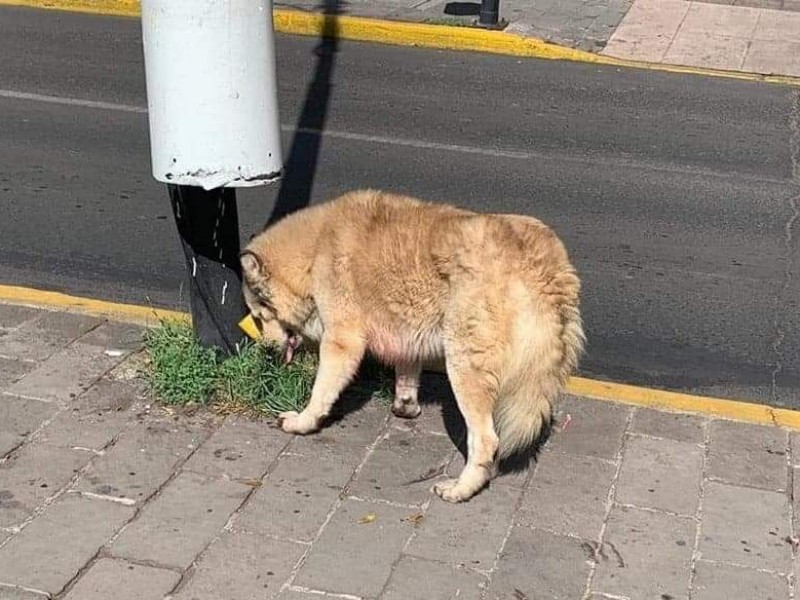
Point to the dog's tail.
(546, 344)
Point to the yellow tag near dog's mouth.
(248, 325)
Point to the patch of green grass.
(258, 379)
(452, 22)
(181, 372)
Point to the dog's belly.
(396, 346)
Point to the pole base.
(497, 25)
(208, 225)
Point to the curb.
(734, 410)
(421, 35)
(113, 311)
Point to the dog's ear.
(252, 267)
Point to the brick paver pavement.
(104, 494)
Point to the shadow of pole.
(301, 163)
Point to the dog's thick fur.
(493, 296)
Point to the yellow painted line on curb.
(117, 8)
(114, 311)
(579, 386)
(423, 35)
(734, 410)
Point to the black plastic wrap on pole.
(208, 225)
(489, 13)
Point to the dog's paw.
(450, 491)
(406, 410)
(300, 424)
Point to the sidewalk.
(106, 495)
(754, 36)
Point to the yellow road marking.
(115, 311)
(734, 410)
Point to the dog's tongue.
(291, 344)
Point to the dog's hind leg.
(340, 354)
(476, 397)
(406, 391)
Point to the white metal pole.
(212, 92)
(214, 126)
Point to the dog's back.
(493, 295)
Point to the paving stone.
(469, 533)
(11, 593)
(112, 336)
(11, 370)
(416, 579)
(733, 21)
(794, 439)
(108, 578)
(19, 417)
(671, 426)
(645, 555)
(748, 454)
(37, 557)
(796, 501)
(36, 340)
(239, 449)
(705, 50)
(773, 26)
(142, 459)
(397, 462)
(242, 566)
(568, 495)
(661, 474)
(295, 595)
(12, 316)
(65, 374)
(95, 418)
(295, 499)
(715, 581)
(776, 56)
(746, 526)
(647, 30)
(175, 527)
(538, 564)
(594, 429)
(353, 556)
(347, 439)
(33, 475)
(354, 429)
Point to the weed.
(182, 372)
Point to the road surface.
(676, 194)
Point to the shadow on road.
(301, 163)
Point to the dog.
(493, 297)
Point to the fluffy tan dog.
(493, 296)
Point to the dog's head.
(272, 305)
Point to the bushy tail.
(546, 347)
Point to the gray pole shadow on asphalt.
(301, 163)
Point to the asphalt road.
(674, 193)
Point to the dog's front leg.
(340, 354)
